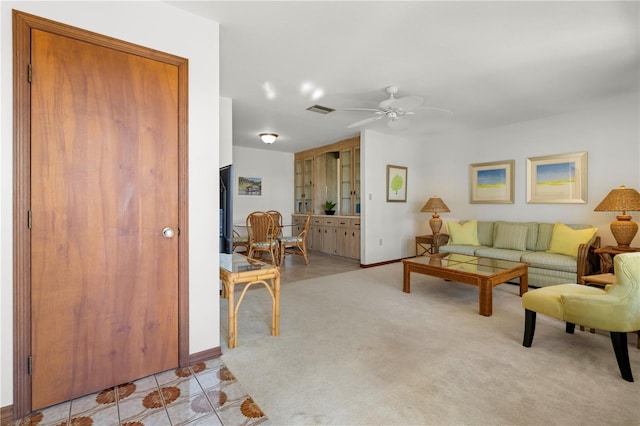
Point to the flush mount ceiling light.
(268, 138)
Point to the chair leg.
(570, 328)
(619, 342)
(529, 327)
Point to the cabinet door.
(342, 237)
(329, 236)
(356, 182)
(354, 240)
(308, 185)
(346, 183)
(298, 186)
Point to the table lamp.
(435, 205)
(623, 228)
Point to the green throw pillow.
(466, 234)
(511, 236)
(565, 240)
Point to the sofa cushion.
(485, 233)
(545, 230)
(553, 261)
(496, 253)
(565, 240)
(460, 249)
(511, 236)
(465, 234)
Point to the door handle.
(168, 232)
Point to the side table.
(425, 244)
(607, 254)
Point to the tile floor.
(204, 394)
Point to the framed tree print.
(396, 184)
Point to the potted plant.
(328, 207)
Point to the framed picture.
(557, 179)
(491, 183)
(249, 186)
(396, 184)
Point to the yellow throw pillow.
(466, 234)
(566, 240)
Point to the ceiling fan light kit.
(396, 110)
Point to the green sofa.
(529, 242)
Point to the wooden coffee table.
(483, 272)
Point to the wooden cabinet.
(328, 173)
(303, 181)
(350, 181)
(339, 235)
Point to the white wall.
(159, 26)
(226, 131)
(276, 170)
(388, 228)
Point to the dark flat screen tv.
(226, 209)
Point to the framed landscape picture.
(491, 183)
(249, 186)
(396, 184)
(557, 178)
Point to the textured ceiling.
(490, 63)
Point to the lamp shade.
(623, 199)
(268, 138)
(623, 228)
(435, 205)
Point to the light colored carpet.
(354, 349)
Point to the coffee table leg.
(486, 298)
(407, 279)
(524, 283)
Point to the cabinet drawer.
(343, 222)
(330, 221)
(355, 223)
(316, 221)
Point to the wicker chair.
(297, 244)
(277, 231)
(261, 228)
(240, 241)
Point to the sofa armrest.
(441, 240)
(588, 260)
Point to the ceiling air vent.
(320, 109)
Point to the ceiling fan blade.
(365, 121)
(377, 111)
(407, 103)
(398, 124)
(443, 111)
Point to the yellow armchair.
(616, 308)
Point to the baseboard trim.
(205, 355)
(6, 415)
(371, 265)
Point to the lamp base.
(623, 230)
(435, 223)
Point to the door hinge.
(29, 73)
(30, 365)
(29, 219)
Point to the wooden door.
(104, 184)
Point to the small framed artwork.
(557, 179)
(491, 183)
(249, 186)
(396, 184)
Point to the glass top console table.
(238, 269)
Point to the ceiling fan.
(397, 111)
